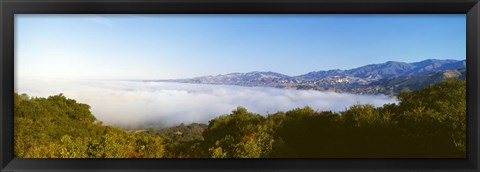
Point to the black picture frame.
(9, 8)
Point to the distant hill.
(185, 133)
(356, 80)
(244, 79)
(394, 85)
(373, 72)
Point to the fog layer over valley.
(143, 104)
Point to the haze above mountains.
(384, 78)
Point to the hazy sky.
(183, 46)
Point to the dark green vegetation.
(57, 127)
(430, 122)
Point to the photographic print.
(240, 86)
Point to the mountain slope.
(394, 85)
(336, 79)
(243, 79)
(389, 69)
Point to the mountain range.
(385, 78)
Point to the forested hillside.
(58, 127)
(430, 122)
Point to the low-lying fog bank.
(133, 103)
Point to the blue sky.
(183, 46)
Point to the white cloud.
(128, 103)
(99, 19)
